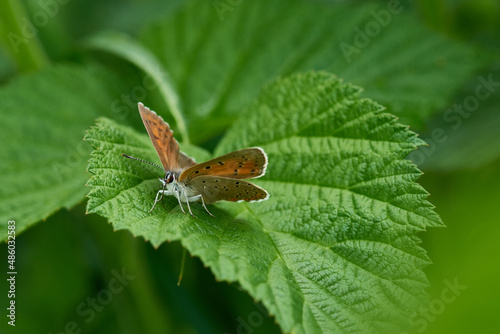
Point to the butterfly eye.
(169, 178)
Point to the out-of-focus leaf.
(220, 54)
(44, 117)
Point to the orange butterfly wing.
(163, 140)
(247, 163)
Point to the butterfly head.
(168, 178)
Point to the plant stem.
(183, 262)
(129, 49)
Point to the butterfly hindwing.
(215, 189)
(242, 164)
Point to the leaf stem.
(183, 262)
(129, 49)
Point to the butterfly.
(219, 179)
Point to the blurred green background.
(70, 259)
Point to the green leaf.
(220, 53)
(334, 249)
(42, 128)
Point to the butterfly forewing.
(215, 189)
(163, 140)
(185, 161)
(242, 164)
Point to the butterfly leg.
(177, 194)
(161, 192)
(195, 198)
(187, 201)
(203, 203)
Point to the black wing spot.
(208, 167)
(220, 163)
(237, 182)
(196, 171)
(216, 180)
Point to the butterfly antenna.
(150, 163)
